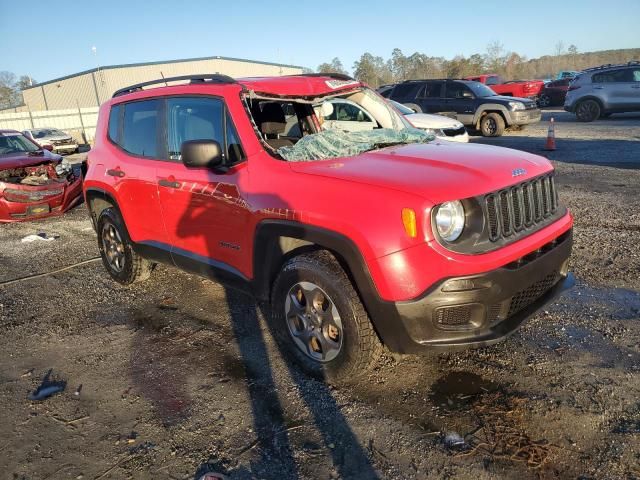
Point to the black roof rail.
(201, 78)
(612, 65)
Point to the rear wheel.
(492, 125)
(414, 107)
(116, 250)
(588, 111)
(319, 321)
(544, 100)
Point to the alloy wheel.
(490, 126)
(313, 322)
(588, 111)
(113, 247)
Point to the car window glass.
(140, 128)
(636, 75)
(191, 118)
(456, 90)
(114, 123)
(405, 90)
(347, 112)
(493, 81)
(431, 90)
(235, 153)
(613, 76)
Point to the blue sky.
(58, 37)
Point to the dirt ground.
(179, 375)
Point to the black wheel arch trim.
(268, 258)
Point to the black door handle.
(115, 173)
(168, 183)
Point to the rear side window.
(431, 90)
(140, 128)
(405, 90)
(495, 80)
(613, 76)
(114, 124)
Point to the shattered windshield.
(334, 125)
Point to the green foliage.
(375, 71)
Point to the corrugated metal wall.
(90, 89)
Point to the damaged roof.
(310, 85)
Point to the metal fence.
(78, 122)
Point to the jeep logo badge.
(517, 172)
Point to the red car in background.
(34, 183)
(514, 88)
(554, 92)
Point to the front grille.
(454, 132)
(454, 316)
(522, 206)
(65, 141)
(526, 297)
(29, 196)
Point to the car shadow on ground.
(276, 455)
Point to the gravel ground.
(179, 375)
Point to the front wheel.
(588, 111)
(492, 125)
(116, 250)
(318, 319)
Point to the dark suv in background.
(472, 103)
(601, 91)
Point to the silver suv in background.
(601, 91)
(52, 139)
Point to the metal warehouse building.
(92, 87)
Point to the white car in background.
(442, 127)
(59, 141)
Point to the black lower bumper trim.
(476, 310)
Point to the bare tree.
(335, 66)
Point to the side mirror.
(46, 146)
(201, 153)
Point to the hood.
(438, 171)
(427, 120)
(17, 160)
(506, 99)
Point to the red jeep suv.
(376, 236)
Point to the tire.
(118, 257)
(352, 347)
(492, 125)
(413, 106)
(544, 101)
(588, 110)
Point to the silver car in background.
(59, 141)
(599, 92)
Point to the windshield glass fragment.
(335, 143)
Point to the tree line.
(376, 71)
(11, 89)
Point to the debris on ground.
(47, 388)
(42, 236)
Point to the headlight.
(450, 220)
(434, 131)
(517, 106)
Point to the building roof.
(160, 62)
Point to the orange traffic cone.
(551, 137)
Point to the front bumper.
(493, 305)
(42, 205)
(525, 117)
(66, 148)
